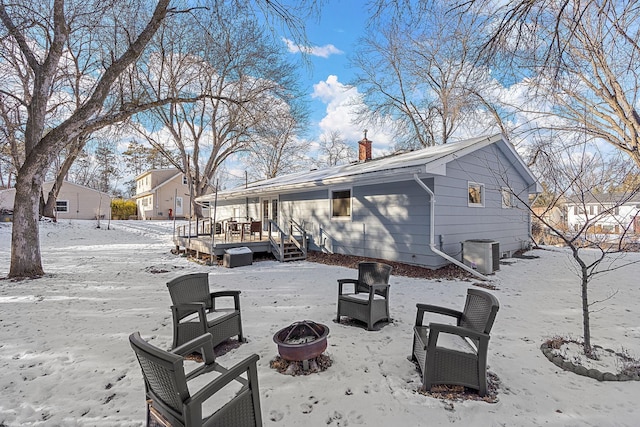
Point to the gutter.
(432, 244)
(368, 178)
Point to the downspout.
(432, 244)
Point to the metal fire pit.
(302, 341)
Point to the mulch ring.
(289, 367)
(458, 393)
(448, 272)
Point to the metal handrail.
(279, 247)
(302, 246)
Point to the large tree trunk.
(26, 259)
(25, 239)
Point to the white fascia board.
(438, 167)
(378, 177)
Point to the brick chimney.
(364, 148)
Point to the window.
(274, 210)
(341, 204)
(62, 206)
(184, 180)
(507, 198)
(476, 194)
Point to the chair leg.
(240, 335)
(482, 384)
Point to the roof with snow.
(430, 160)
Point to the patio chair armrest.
(248, 364)
(203, 344)
(180, 311)
(436, 328)
(223, 294)
(380, 289)
(428, 308)
(342, 282)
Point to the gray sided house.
(417, 207)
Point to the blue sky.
(333, 37)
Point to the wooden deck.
(198, 241)
(201, 245)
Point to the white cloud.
(342, 102)
(321, 51)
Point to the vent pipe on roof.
(364, 148)
(432, 228)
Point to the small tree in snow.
(577, 172)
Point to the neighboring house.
(553, 216)
(162, 194)
(417, 207)
(605, 213)
(74, 201)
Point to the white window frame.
(350, 207)
(471, 204)
(508, 201)
(62, 206)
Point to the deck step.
(292, 253)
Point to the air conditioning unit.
(481, 255)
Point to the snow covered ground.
(65, 359)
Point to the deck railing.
(199, 227)
(294, 234)
(278, 238)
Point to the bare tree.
(420, 72)
(276, 149)
(577, 58)
(594, 88)
(248, 84)
(333, 150)
(39, 147)
(40, 35)
(575, 174)
(11, 133)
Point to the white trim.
(506, 191)
(340, 217)
(482, 194)
(66, 206)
